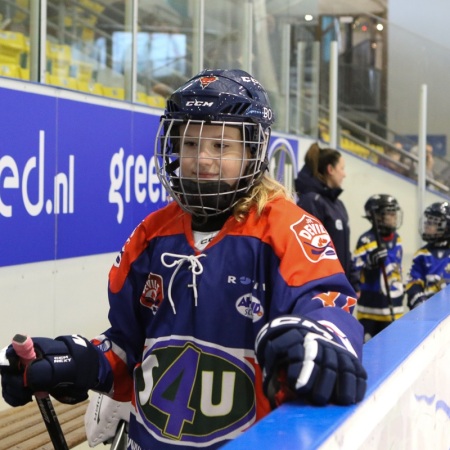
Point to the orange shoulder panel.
(299, 239)
(166, 221)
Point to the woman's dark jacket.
(322, 202)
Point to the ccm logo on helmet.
(250, 80)
(198, 103)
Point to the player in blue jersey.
(378, 257)
(430, 269)
(223, 304)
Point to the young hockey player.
(229, 292)
(430, 269)
(378, 257)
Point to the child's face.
(390, 218)
(212, 153)
(431, 228)
(434, 226)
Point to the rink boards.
(407, 404)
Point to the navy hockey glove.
(65, 367)
(416, 300)
(300, 360)
(377, 257)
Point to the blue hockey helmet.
(226, 98)
(221, 95)
(436, 224)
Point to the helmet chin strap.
(207, 198)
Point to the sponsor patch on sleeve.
(314, 239)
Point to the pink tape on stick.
(23, 346)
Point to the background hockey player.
(378, 257)
(430, 269)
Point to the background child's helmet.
(382, 207)
(436, 224)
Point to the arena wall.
(76, 176)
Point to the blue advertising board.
(76, 178)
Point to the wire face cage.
(207, 166)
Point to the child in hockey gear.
(378, 257)
(231, 258)
(430, 269)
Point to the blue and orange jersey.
(184, 321)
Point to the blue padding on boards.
(297, 426)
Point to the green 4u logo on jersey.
(193, 392)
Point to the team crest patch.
(314, 239)
(206, 81)
(153, 292)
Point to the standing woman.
(318, 185)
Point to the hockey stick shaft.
(383, 266)
(120, 439)
(24, 348)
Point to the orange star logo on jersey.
(329, 299)
(349, 304)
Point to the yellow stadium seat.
(114, 92)
(141, 97)
(83, 71)
(12, 47)
(93, 6)
(66, 82)
(325, 136)
(10, 70)
(60, 57)
(24, 73)
(156, 100)
(20, 15)
(87, 34)
(91, 87)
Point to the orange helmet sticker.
(206, 81)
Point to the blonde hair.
(263, 192)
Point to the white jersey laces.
(196, 268)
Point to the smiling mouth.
(207, 176)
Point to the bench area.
(23, 428)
